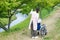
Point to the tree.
(9, 7)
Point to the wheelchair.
(42, 29)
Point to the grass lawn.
(24, 24)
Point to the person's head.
(37, 9)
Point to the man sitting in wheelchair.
(39, 25)
(41, 28)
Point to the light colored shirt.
(39, 20)
(34, 18)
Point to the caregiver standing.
(33, 22)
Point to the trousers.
(33, 32)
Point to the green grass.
(24, 24)
(20, 26)
(54, 34)
(45, 12)
(4, 21)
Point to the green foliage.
(7, 6)
(23, 25)
(44, 13)
(4, 21)
(25, 9)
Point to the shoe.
(36, 37)
(38, 33)
(33, 37)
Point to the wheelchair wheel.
(43, 31)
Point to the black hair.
(37, 9)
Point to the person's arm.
(31, 12)
(30, 23)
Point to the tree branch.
(16, 8)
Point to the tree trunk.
(9, 18)
(9, 22)
(10, 15)
(4, 28)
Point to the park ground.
(53, 25)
